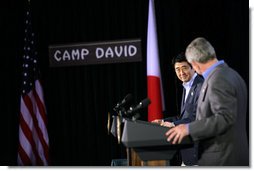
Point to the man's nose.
(181, 72)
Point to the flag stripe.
(30, 106)
(40, 107)
(26, 146)
(28, 134)
(23, 157)
(155, 108)
(28, 119)
(39, 94)
(41, 115)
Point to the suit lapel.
(183, 103)
(191, 93)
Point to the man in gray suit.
(220, 125)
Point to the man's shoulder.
(198, 80)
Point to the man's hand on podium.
(168, 124)
(176, 134)
(162, 123)
(157, 121)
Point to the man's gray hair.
(200, 50)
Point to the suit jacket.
(188, 114)
(220, 125)
(188, 108)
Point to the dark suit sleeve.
(183, 121)
(170, 119)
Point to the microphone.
(120, 105)
(135, 117)
(144, 103)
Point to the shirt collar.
(211, 68)
(189, 83)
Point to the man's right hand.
(157, 121)
(162, 123)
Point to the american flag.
(33, 146)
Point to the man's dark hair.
(180, 58)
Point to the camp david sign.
(95, 53)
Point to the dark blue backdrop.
(79, 98)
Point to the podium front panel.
(149, 140)
(143, 134)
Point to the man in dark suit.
(220, 125)
(192, 83)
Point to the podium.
(148, 140)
